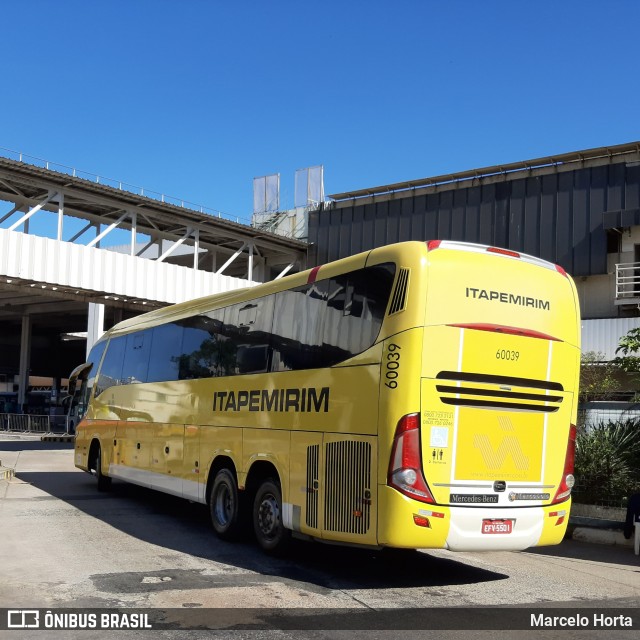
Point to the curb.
(601, 536)
(64, 438)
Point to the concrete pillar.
(95, 324)
(259, 273)
(134, 233)
(55, 392)
(25, 358)
(60, 215)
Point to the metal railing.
(33, 424)
(593, 414)
(627, 280)
(122, 186)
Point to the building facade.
(580, 210)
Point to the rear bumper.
(460, 528)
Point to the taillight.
(567, 482)
(559, 269)
(499, 328)
(503, 252)
(433, 244)
(405, 467)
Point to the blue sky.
(195, 98)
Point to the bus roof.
(367, 258)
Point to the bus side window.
(248, 327)
(377, 288)
(166, 342)
(136, 357)
(321, 324)
(111, 369)
(199, 353)
(256, 328)
(371, 293)
(297, 328)
(356, 306)
(95, 356)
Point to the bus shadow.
(33, 445)
(181, 526)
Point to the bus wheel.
(224, 505)
(271, 534)
(104, 482)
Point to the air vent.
(312, 486)
(348, 487)
(399, 297)
(499, 392)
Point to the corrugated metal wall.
(557, 216)
(603, 335)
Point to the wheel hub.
(269, 516)
(223, 505)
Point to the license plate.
(497, 526)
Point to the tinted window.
(199, 356)
(111, 369)
(95, 355)
(313, 326)
(136, 357)
(248, 326)
(329, 321)
(164, 359)
(297, 327)
(356, 305)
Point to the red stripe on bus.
(313, 275)
(498, 328)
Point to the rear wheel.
(104, 482)
(224, 505)
(271, 533)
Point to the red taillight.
(504, 252)
(433, 244)
(567, 482)
(421, 521)
(405, 467)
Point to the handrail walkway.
(627, 280)
(34, 424)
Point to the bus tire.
(224, 505)
(104, 482)
(271, 534)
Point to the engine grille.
(312, 485)
(348, 487)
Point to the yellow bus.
(418, 395)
